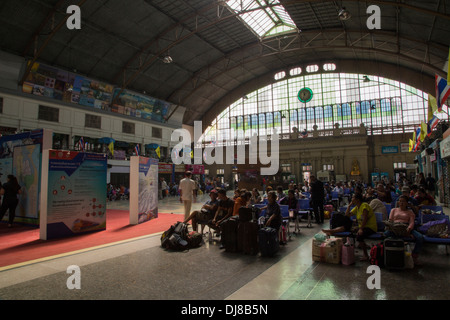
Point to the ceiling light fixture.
(366, 79)
(344, 14)
(167, 59)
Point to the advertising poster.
(143, 189)
(26, 168)
(6, 167)
(140, 106)
(195, 168)
(65, 86)
(76, 197)
(20, 155)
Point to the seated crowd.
(405, 199)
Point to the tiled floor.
(141, 270)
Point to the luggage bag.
(268, 241)
(348, 253)
(229, 230)
(248, 237)
(394, 253)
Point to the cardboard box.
(329, 251)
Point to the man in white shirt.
(187, 187)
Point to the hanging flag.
(417, 139)
(442, 92)
(411, 145)
(432, 106)
(433, 123)
(158, 152)
(136, 149)
(81, 144)
(111, 148)
(423, 131)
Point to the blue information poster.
(76, 199)
(20, 155)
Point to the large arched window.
(382, 105)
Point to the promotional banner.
(143, 189)
(76, 194)
(195, 168)
(138, 105)
(26, 168)
(51, 82)
(20, 155)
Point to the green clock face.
(305, 95)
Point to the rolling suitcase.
(394, 253)
(229, 237)
(268, 241)
(248, 237)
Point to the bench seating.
(379, 235)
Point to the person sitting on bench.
(403, 214)
(206, 213)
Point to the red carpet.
(21, 243)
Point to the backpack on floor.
(377, 255)
(175, 237)
(194, 239)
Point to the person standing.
(187, 194)
(431, 185)
(317, 198)
(163, 188)
(9, 191)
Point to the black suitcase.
(229, 230)
(248, 237)
(394, 253)
(268, 241)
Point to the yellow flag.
(432, 107)
(423, 131)
(411, 145)
(111, 148)
(158, 152)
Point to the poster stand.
(73, 193)
(143, 189)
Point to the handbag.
(398, 228)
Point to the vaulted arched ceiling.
(215, 56)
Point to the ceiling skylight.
(264, 17)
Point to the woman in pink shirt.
(404, 215)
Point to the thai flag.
(81, 143)
(432, 124)
(417, 142)
(442, 91)
(136, 149)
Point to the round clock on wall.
(305, 95)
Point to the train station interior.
(106, 106)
